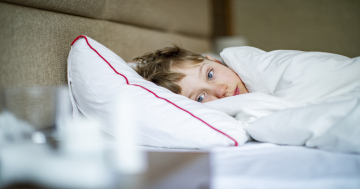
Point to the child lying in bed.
(199, 78)
(296, 97)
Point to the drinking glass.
(28, 114)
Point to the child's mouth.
(236, 92)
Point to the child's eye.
(200, 98)
(210, 74)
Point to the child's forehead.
(187, 68)
(192, 64)
(187, 64)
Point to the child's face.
(209, 81)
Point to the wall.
(309, 25)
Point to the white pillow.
(98, 79)
(297, 76)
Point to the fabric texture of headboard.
(36, 34)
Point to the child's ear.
(208, 57)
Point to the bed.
(41, 34)
(266, 165)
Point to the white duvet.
(296, 98)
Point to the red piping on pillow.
(127, 82)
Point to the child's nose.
(220, 90)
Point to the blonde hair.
(156, 67)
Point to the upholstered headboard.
(36, 34)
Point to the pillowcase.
(297, 76)
(98, 79)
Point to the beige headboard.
(35, 35)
